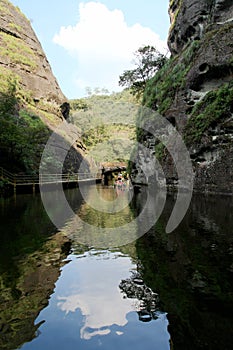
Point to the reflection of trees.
(148, 301)
(29, 292)
(97, 232)
(102, 218)
(191, 269)
(30, 261)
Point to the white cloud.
(103, 44)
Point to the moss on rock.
(215, 106)
(160, 90)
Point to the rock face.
(27, 81)
(190, 20)
(194, 91)
(22, 53)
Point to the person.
(119, 176)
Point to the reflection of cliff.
(191, 269)
(30, 260)
(27, 292)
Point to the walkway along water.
(31, 182)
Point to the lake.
(101, 282)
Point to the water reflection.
(95, 292)
(162, 291)
(88, 305)
(31, 254)
(192, 272)
(124, 222)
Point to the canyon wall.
(194, 92)
(32, 104)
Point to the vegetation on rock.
(161, 89)
(216, 106)
(17, 51)
(30, 98)
(22, 135)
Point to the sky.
(91, 43)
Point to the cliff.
(32, 104)
(194, 91)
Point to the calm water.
(60, 290)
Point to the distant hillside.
(107, 123)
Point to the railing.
(18, 179)
(6, 175)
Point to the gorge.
(110, 275)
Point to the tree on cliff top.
(148, 60)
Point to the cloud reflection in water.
(96, 293)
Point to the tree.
(148, 61)
(22, 134)
(79, 104)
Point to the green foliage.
(104, 120)
(148, 61)
(215, 106)
(4, 10)
(159, 151)
(78, 104)
(112, 151)
(111, 143)
(8, 77)
(22, 135)
(8, 101)
(105, 220)
(94, 136)
(15, 26)
(17, 50)
(133, 155)
(103, 111)
(175, 6)
(160, 90)
(3, 183)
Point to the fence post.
(15, 184)
(33, 188)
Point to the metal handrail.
(18, 179)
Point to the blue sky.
(90, 43)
